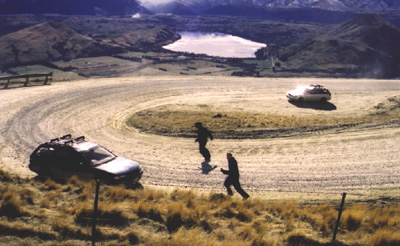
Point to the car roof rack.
(68, 136)
(66, 140)
(317, 86)
(80, 139)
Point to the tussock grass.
(33, 214)
(385, 237)
(179, 122)
(154, 120)
(11, 206)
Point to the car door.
(313, 94)
(79, 166)
(59, 162)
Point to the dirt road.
(364, 161)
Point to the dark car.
(65, 157)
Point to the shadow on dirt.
(314, 105)
(206, 167)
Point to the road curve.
(360, 161)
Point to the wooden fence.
(44, 78)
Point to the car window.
(97, 155)
(45, 150)
(59, 152)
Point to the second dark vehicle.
(64, 157)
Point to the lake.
(215, 44)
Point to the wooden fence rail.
(47, 77)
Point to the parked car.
(65, 156)
(309, 93)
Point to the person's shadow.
(206, 168)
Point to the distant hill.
(366, 46)
(49, 41)
(316, 15)
(225, 7)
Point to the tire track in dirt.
(364, 161)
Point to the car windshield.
(97, 155)
(301, 89)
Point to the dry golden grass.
(35, 212)
(166, 121)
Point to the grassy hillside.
(49, 41)
(47, 212)
(365, 46)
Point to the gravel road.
(364, 161)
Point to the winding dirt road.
(362, 161)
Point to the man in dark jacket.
(202, 137)
(233, 177)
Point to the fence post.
(338, 219)
(96, 199)
(8, 82)
(47, 78)
(27, 81)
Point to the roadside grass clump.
(178, 216)
(50, 184)
(22, 230)
(66, 228)
(118, 193)
(27, 195)
(108, 213)
(33, 214)
(11, 206)
(150, 211)
(4, 176)
(353, 217)
(74, 181)
(385, 237)
(381, 217)
(299, 238)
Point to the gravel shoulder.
(360, 160)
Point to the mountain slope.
(202, 6)
(366, 46)
(49, 41)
